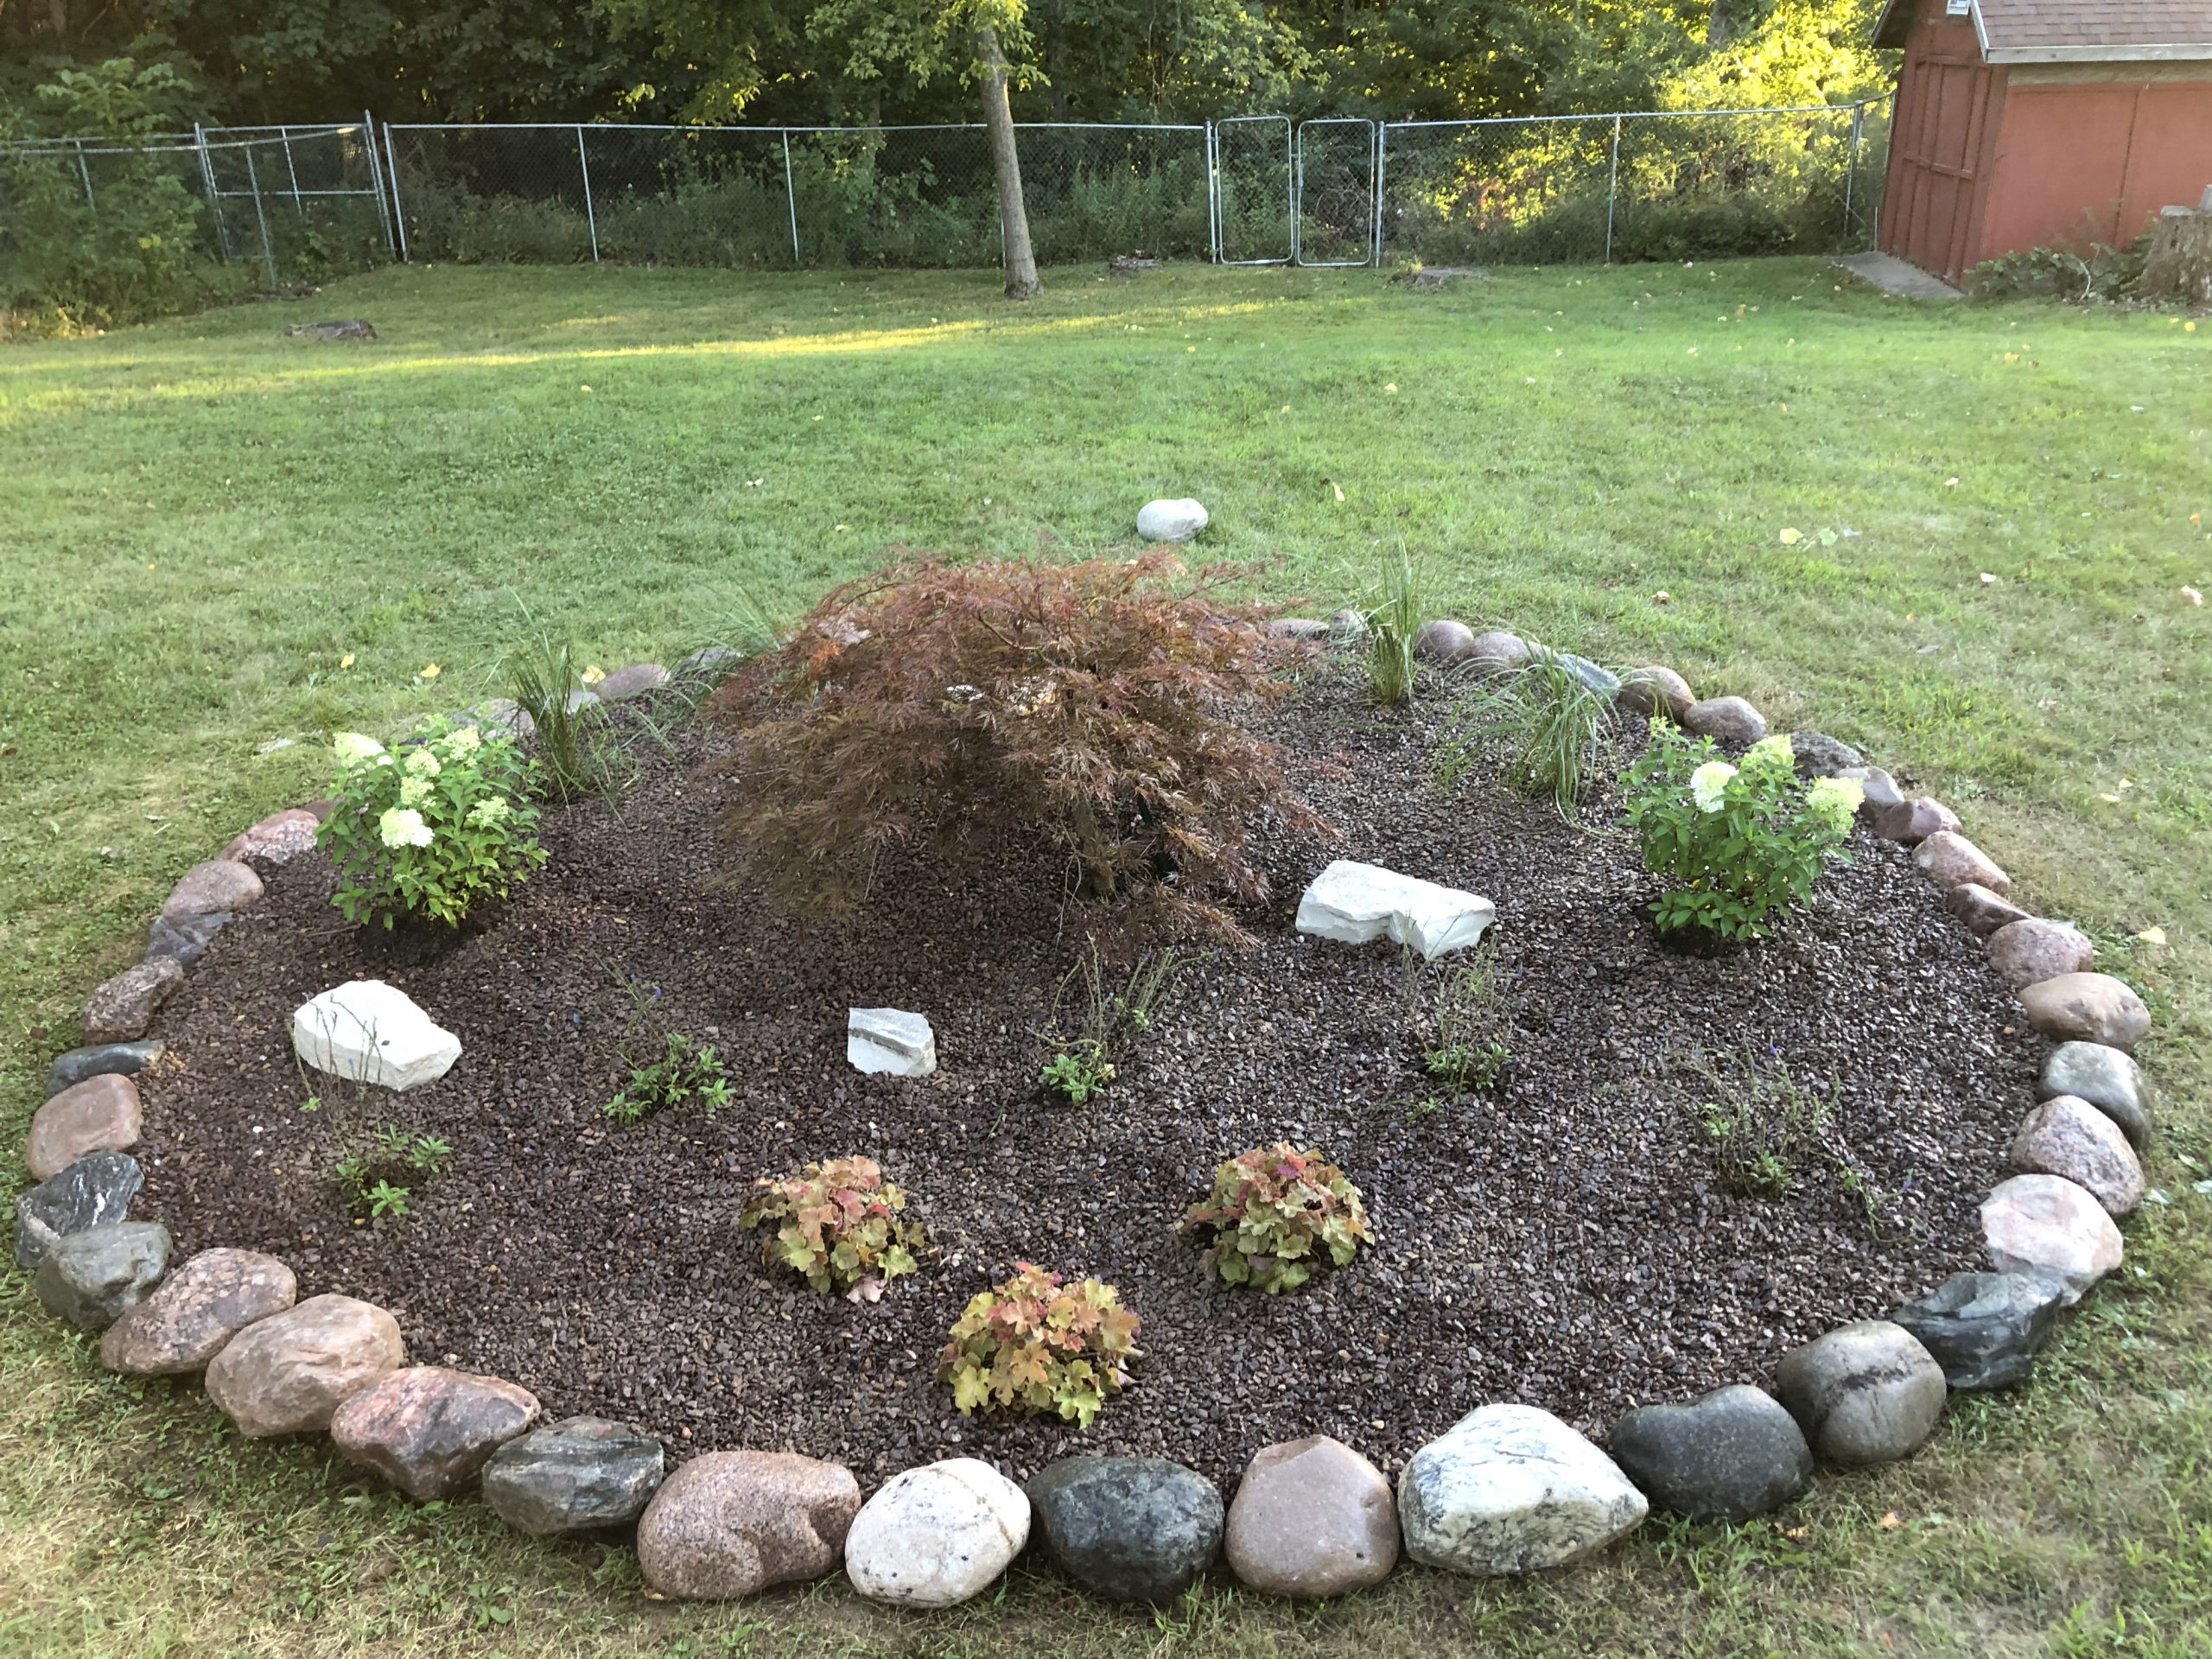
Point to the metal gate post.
(214, 195)
(1851, 173)
(298, 207)
(1382, 147)
(1213, 204)
(790, 196)
(85, 174)
(268, 253)
(1613, 189)
(376, 180)
(591, 215)
(399, 211)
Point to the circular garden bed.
(1600, 1172)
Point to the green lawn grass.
(213, 539)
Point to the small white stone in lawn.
(370, 1031)
(890, 1040)
(1171, 521)
(1354, 903)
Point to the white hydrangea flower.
(422, 763)
(402, 826)
(1777, 745)
(1837, 798)
(1709, 784)
(413, 791)
(462, 739)
(353, 747)
(492, 809)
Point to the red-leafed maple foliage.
(1083, 710)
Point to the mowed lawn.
(1963, 538)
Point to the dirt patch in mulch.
(1566, 1242)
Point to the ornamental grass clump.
(432, 832)
(1033, 1343)
(1274, 1213)
(1733, 844)
(1081, 713)
(837, 1225)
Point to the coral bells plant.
(431, 832)
(1274, 1213)
(837, 1225)
(1035, 1344)
(1733, 844)
(1080, 711)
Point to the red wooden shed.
(2026, 124)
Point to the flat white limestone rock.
(890, 1040)
(1511, 1488)
(1354, 903)
(371, 1032)
(1170, 521)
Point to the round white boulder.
(1171, 521)
(936, 1535)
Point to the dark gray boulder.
(1820, 755)
(573, 1476)
(184, 939)
(2108, 1078)
(1729, 1455)
(1983, 1328)
(93, 1278)
(1132, 1529)
(95, 1192)
(99, 1060)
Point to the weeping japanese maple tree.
(1084, 713)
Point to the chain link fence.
(298, 201)
(1622, 188)
(304, 201)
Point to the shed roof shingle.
(2012, 24)
(2057, 30)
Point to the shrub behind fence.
(282, 204)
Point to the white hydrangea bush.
(432, 831)
(1733, 842)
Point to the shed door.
(1936, 152)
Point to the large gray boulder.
(1511, 1488)
(2108, 1078)
(1178, 520)
(1732, 1455)
(1726, 720)
(2027, 952)
(1983, 1328)
(100, 1060)
(92, 1192)
(1865, 1392)
(94, 1277)
(1133, 1530)
(574, 1475)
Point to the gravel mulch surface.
(1565, 1242)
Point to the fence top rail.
(1638, 115)
(190, 145)
(770, 132)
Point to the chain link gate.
(1334, 222)
(1255, 190)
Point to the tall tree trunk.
(1021, 281)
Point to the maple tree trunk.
(1021, 281)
